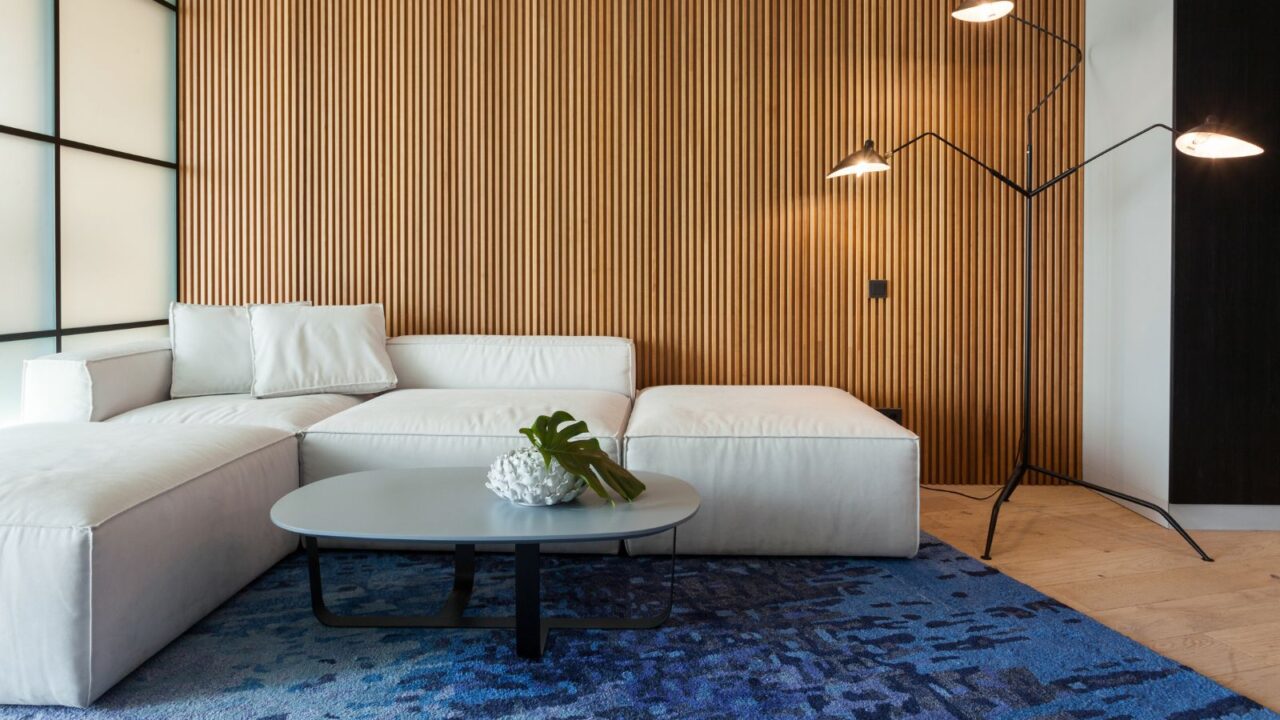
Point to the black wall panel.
(1225, 420)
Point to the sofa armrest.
(95, 385)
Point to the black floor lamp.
(1209, 140)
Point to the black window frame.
(58, 142)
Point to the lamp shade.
(864, 161)
(1211, 139)
(980, 11)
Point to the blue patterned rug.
(940, 636)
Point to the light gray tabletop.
(452, 505)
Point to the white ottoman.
(114, 539)
(782, 470)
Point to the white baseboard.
(1227, 517)
(1213, 517)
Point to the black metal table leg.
(647, 622)
(464, 577)
(530, 635)
(449, 614)
(531, 627)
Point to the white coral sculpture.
(523, 477)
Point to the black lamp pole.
(1029, 190)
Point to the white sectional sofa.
(125, 515)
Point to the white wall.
(1128, 227)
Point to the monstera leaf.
(582, 458)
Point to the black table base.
(530, 625)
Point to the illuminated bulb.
(1211, 140)
(864, 161)
(980, 11)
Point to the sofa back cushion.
(212, 352)
(300, 350)
(530, 362)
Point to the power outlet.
(894, 414)
(878, 289)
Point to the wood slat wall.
(654, 169)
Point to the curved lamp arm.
(963, 153)
(1061, 81)
(1076, 168)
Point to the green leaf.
(567, 434)
(582, 458)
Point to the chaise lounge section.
(114, 539)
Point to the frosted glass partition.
(11, 356)
(26, 64)
(88, 237)
(119, 78)
(26, 235)
(111, 338)
(119, 251)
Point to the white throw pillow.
(328, 349)
(212, 354)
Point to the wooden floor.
(1220, 618)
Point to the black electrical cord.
(1017, 457)
(963, 495)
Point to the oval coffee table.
(452, 505)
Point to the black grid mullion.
(57, 175)
(85, 330)
(76, 144)
(29, 134)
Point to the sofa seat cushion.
(782, 470)
(442, 428)
(116, 538)
(291, 414)
(82, 474)
(766, 411)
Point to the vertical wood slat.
(654, 170)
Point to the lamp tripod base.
(1020, 472)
